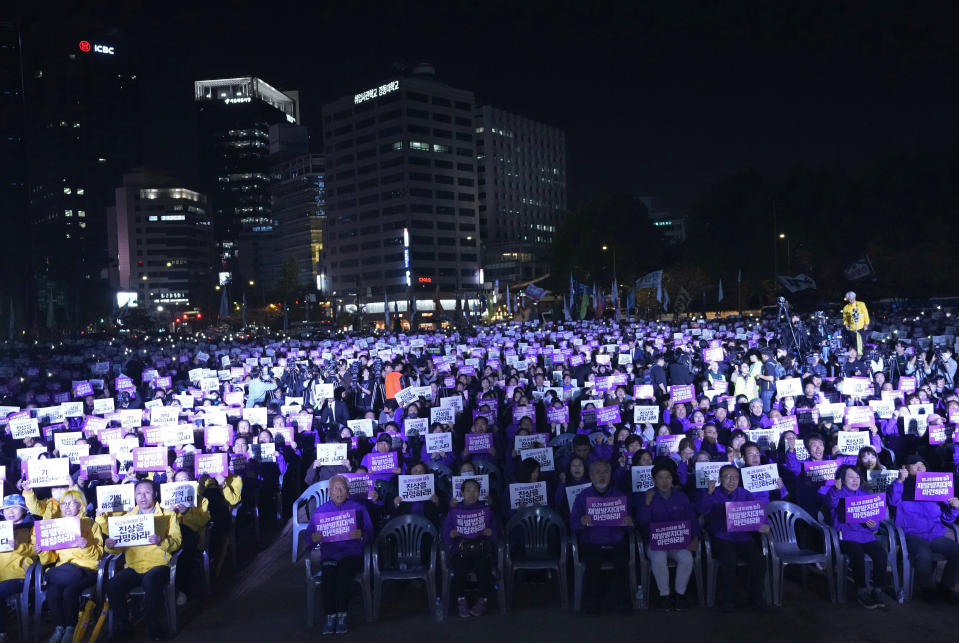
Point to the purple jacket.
(855, 532)
(450, 524)
(715, 505)
(595, 535)
(920, 518)
(672, 509)
(341, 549)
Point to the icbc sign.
(85, 46)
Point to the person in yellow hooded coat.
(75, 570)
(146, 565)
(14, 563)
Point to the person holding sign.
(18, 555)
(145, 565)
(47, 509)
(728, 546)
(470, 536)
(341, 556)
(858, 538)
(574, 476)
(599, 540)
(75, 570)
(666, 503)
(924, 523)
(430, 509)
(193, 519)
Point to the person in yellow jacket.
(47, 509)
(76, 568)
(14, 563)
(855, 319)
(146, 565)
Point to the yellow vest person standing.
(855, 318)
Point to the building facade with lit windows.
(299, 207)
(671, 226)
(521, 165)
(235, 115)
(161, 237)
(402, 215)
(82, 126)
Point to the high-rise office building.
(299, 207)
(83, 131)
(671, 226)
(522, 192)
(235, 115)
(15, 260)
(160, 235)
(401, 193)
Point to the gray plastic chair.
(485, 467)
(446, 569)
(579, 569)
(542, 545)
(712, 566)
(314, 579)
(315, 495)
(443, 476)
(401, 553)
(908, 571)
(597, 437)
(887, 538)
(646, 571)
(116, 563)
(785, 550)
(20, 603)
(562, 445)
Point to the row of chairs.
(538, 539)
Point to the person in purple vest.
(924, 523)
(599, 543)
(729, 546)
(473, 551)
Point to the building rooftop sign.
(382, 90)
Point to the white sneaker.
(181, 599)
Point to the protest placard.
(150, 459)
(211, 464)
(557, 414)
(415, 426)
(859, 509)
(115, 497)
(49, 472)
(606, 512)
(471, 523)
(417, 488)
(479, 442)
(820, 471)
(7, 541)
(765, 439)
(443, 415)
(360, 485)
(643, 414)
(527, 494)
(533, 441)
(263, 452)
(642, 478)
(458, 481)
(131, 531)
(859, 417)
(670, 535)
(439, 442)
(789, 387)
(764, 477)
(878, 480)
(745, 516)
(217, 436)
(330, 454)
(164, 415)
(178, 494)
(454, 401)
(706, 471)
(850, 442)
(933, 486)
(24, 427)
(681, 394)
(58, 533)
(542, 455)
(333, 526)
(102, 406)
(383, 462)
(363, 427)
(644, 392)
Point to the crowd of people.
(139, 452)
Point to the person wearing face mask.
(729, 546)
(14, 563)
(924, 523)
(858, 539)
(341, 560)
(75, 570)
(145, 565)
(600, 542)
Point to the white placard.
(642, 478)
(331, 454)
(24, 427)
(439, 442)
(49, 472)
(527, 494)
(131, 531)
(164, 415)
(7, 541)
(483, 481)
(544, 456)
(643, 414)
(789, 387)
(416, 488)
(443, 415)
(178, 494)
(115, 497)
(363, 427)
(706, 471)
(850, 442)
(763, 477)
(102, 406)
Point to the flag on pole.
(719, 298)
(583, 304)
(616, 298)
(224, 307)
(630, 302)
(566, 314)
(665, 299)
(509, 301)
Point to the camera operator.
(897, 363)
(942, 365)
(814, 365)
(261, 383)
(852, 366)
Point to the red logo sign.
(84, 46)
(425, 280)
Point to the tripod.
(795, 345)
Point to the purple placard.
(520, 412)
(644, 392)
(361, 485)
(606, 512)
(466, 369)
(449, 382)
(150, 459)
(489, 415)
(479, 442)
(670, 535)
(859, 417)
(608, 415)
(470, 523)
(211, 464)
(383, 462)
(124, 384)
(98, 467)
(822, 471)
(163, 383)
(59, 533)
(907, 384)
(602, 384)
(788, 423)
(576, 360)
(666, 444)
(934, 486)
(681, 393)
(558, 415)
(936, 433)
(745, 516)
(335, 526)
(862, 508)
(82, 389)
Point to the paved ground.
(267, 601)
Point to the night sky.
(660, 99)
